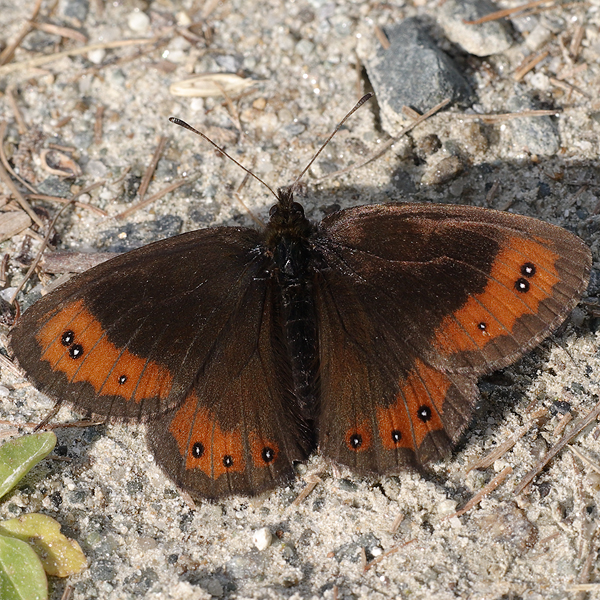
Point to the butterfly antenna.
(190, 128)
(339, 125)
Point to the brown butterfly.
(362, 335)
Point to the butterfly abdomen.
(300, 334)
(287, 237)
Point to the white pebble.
(262, 538)
(197, 104)
(96, 56)
(8, 293)
(183, 20)
(138, 21)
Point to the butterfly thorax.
(287, 221)
(287, 238)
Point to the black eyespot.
(424, 413)
(122, 379)
(528, 270)
(68, 337)
(396, 436)
(482, 326)
(227, 461)
(356, 441)
(268, 454)
(75, 351)
(522, 285)
(197, 450)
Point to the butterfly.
(363, 335)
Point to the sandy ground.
(140, 535)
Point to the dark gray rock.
(413, 72)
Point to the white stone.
(197, 104)
(96, 56)
(262, 538)
(138, 21)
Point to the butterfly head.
(287, 219)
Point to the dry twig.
(5, 177)
(531, 63)
(162, 142)
(578, 426)
(499, 14)
(43, 59)
(312, 480)
(8, 52)
(173, 186)
(504, 447)
(488, 489)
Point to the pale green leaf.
(22, 576)
(18, 456)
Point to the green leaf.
(18, 456)
(60, 555)
(22, 576)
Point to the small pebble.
(262, 538)
(183, 19)
(443, 171)
(96, 169)
(474, 137)
(539, 35)
(138, 21)
(197, 104)
(8, 293)
(96, 56)
(535, 135)
(427, 145)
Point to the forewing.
(128, 338)
(417, 301)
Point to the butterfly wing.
(418, 301)
(180, 333)
(238, 430)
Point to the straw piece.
(36, 61)
(491, 458)
(65, 32)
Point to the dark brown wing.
(182, 334)
(238, 430)
(127, 339)
(414, 303)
